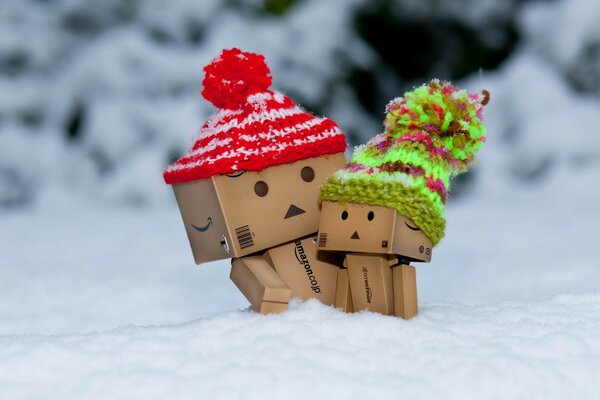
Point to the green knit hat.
(431, 135)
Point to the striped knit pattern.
(256, 130)
(431, 135)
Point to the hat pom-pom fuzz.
(447, 117)
(233, 76)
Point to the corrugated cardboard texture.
(308, 273)
(252, 211)
(268, 307)
(405, 291)
(257, 280)
(371, 229)
(288, 210)
(203, 220)
(343, 296)
(346, 227)
(371, 282)
(409, 241)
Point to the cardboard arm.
(261, 285)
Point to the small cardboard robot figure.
(249, 187)
(386, 207)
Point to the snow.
(568, 38)
(72, 267)
(110, 63)
(103, 302)
(544, 350)
(99, 299)
(79, 269)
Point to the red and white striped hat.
(255, 127)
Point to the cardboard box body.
(308, 273)
(371, 229)
(239, 214)
(379, 284)
(371, 282)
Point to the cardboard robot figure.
(248, 188)
(386, 207)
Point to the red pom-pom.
(233, 76)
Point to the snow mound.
(544, 350)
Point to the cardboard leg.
(405, 291)
(343, 297)
(371, 282)
(268, 307)
(261, 285)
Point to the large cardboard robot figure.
(386, 208)
(249, 187)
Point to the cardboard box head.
(239, 214)
(371, 229)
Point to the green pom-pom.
(450, 117)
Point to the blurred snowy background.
(97, 97)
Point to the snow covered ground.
(99, 301)
(102, 300)
(107, 303)
(516, 350)
(79, 268)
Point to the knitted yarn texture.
(431, 135)
(255, 127)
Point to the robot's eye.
(412, 228)
(261, 188)
(236, 174)
(307, 174)
(344, 215)
(370, 215)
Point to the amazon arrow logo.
(205, 227)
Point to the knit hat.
(431, 135)
(255, 127)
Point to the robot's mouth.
(293, 211)
(205, 227)
(355, 235)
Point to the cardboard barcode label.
(244, 236)
(322, 240)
